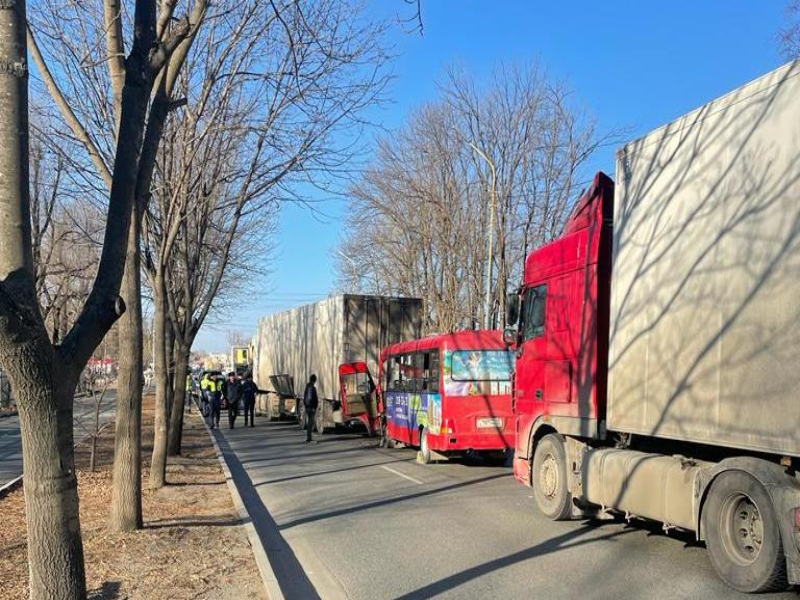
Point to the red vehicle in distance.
(446, 394)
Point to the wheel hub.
(548, 476)
(743, 529)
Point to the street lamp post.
(490, 244)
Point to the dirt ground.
(192, 546)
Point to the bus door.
(359, 398)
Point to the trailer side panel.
(705, 309)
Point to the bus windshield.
(481, 365)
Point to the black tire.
(742, 534)
(424, 454)
(549, 473)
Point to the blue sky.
(633, 65)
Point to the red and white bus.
(449, 394)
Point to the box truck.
(318, 338)
(658, 339)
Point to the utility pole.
(490, 245)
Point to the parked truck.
(658, 339)
(319, 337)
(240, 360)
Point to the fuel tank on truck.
(705, 290)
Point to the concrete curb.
(268, 577)
(10, 486)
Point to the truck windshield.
(481, 365)
(356, 383)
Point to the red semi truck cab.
(562, 333)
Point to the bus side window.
(418, 368)
(433, 371)
(426, 372)
(406, 374)
(396, 381)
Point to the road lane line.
(403, 475)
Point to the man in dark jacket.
(232, 392)
(310, 404)
(249, 391)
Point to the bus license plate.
(494, 423)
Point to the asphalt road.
(11, 442)
(343, 519)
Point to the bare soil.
(192, 546)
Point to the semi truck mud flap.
(522, 470)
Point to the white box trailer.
(317, 338)
(705, 317)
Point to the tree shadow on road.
(290, 575)
(388, 501)
(570, 539)
(332, 471)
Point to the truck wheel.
(742, 535)
(550, 478)
(424, 454)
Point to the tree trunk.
(158, 465)
(178, 400)
(41, 383)
(55, 548)
(126, 495)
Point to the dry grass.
(192, 546)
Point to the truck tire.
(424, 454)
(742, 535)
(549, 473)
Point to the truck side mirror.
(512, 309)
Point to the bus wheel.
(550, 478)
(742, 535)
(424, 454)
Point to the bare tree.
(85, 76)
(421, 212)
(44, 375)
(234, 337)
(275, 104)
(789, 35)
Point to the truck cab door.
(358, 395)
(530, 368)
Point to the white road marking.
(403, 475)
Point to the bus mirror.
(512, 309)
(510, 336)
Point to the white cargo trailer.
(317, 338)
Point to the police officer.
(215, 393)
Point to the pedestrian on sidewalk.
(249, 391)
(232, 392)
(214, 388)
(310, 404)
